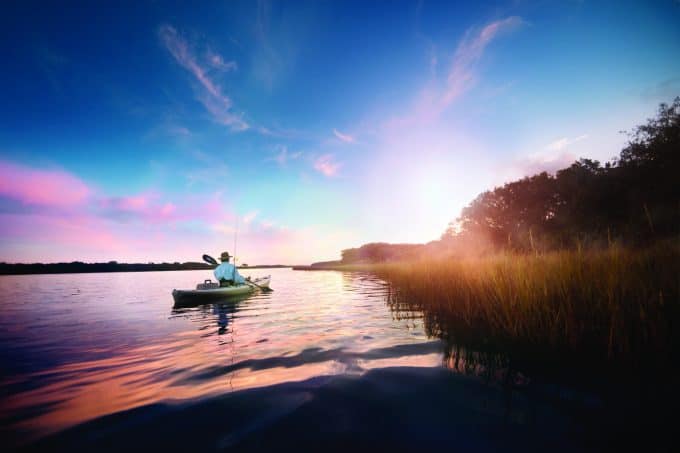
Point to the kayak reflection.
(222, 311)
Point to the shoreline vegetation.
(78, 267)
(576, 273)
(612, 307)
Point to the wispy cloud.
(283, 156)
(209, 92)
(555, 156)
(179, 131)
(564, 142)
(250, 216)
(216, 61)
(267, 59)
(344, 137)
(534, 164)
(327, 165)
(168, 129)
(462, 74)
(210, 172)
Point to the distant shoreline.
(91, 268)
(361, 267)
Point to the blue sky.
(153, 131)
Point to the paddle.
(210, 260)
(263, 288)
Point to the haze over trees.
(633, 200)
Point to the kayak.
(210, 291)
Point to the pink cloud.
(134, 203)
(145, 207)
(168, 209)
(137, 227)
(344, 137)
(152, 207)
(327, 165)
(41, 187)
(67, 235)
(72, 222)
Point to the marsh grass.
(615, 309)
(593, 332)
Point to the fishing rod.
(233, 272)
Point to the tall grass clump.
(613, 307)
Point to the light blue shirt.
(227, 271)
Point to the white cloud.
(283, 156)
(462, 75)
(564, 142)
(216, 61)
(210, 94)
(470, 50)
(554, 157)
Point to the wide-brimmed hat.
(224, 256)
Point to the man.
(226, 272)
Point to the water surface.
(79, 346)
(90, 361)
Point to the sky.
(285, 132)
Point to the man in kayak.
(226, 272)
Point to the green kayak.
(209, 291)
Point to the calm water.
(91, 361)
(79, 346)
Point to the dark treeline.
(633, 200)
(378, 252)
(77, 267)
(111, 266)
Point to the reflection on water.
(79, 346)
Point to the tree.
(635, 198)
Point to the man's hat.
(224, 256)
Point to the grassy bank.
(609, 307)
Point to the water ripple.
(81, 346)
